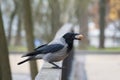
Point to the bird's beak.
(79, 37)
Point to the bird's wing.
(51, 48)
(40, 47)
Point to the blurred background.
(26, 24)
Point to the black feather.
(28, 59)
(45, 49)
(52, 48)
(40, 47)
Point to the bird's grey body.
(55, 56)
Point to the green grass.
(105, 49)
(91, 48)
(17, 48)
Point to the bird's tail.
(28, 59)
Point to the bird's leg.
(56, 66)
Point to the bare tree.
(19, 24)
(0, 72)
(81, 13)
(55, 16)
(102, 11)
(4, 60)
(27, 15)
(67, 10)
(18, 33)
(13, 13)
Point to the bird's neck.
(70, 45)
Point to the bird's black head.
(69, 37)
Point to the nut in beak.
(79, 37)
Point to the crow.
(56, 50)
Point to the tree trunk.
(29, 34)
(19, 25)
(81, 13)
(0, 72)
(55, 17)
(18, 33)
(102, 10)
(84, 30)
(4, 59)
(10, 24)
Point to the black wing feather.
(52, 48)
(40, 47)
(46, 49)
